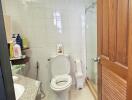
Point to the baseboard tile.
(92, 89)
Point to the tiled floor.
(83, 94)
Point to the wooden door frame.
(4, 60)
(129, 81)
(99, 36)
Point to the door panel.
(114, 87)
(112, 29)
(115, 67)
(122, 31)
(105, 27)
(113, 44)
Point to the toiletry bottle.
(19, 41)
(14, 38)
(17, 51)
(11, 50)
(24, 41)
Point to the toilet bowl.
(61, 80)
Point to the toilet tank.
(60, 65)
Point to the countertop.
(31, 87)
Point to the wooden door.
(113, 49)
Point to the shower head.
(92, 5)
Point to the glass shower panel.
(91, 43)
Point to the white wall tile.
(35, 19)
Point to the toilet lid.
(60, 65)
(61, 82)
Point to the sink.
(19, 90)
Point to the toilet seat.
(61, 82)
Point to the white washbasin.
(19, 90)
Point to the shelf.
(23, 60)
(25, 48)
(22, 57)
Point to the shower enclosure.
(91, 43)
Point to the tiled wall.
(35, 19)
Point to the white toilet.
(61, 79)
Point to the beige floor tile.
(83, 94)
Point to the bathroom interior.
(53, 48)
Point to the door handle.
(97, 59)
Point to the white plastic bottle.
(17, 51)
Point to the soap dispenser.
(19, 41)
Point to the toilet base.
(63, 95)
